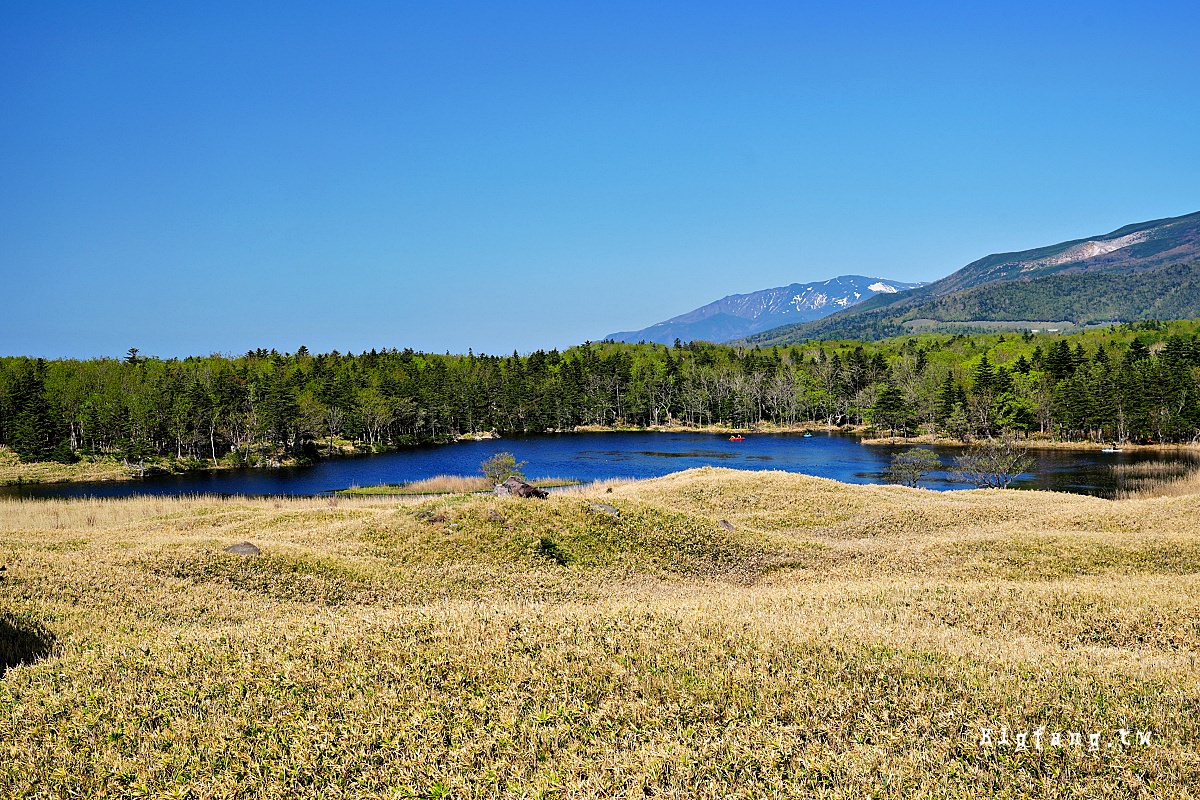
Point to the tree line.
(1137, 382)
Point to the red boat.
(737, 438)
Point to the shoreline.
(442, 485)
(14, 472)
(1031, 444)
(767, 428)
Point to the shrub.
(993, 463)
(912, 465)
(502, 466)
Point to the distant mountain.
(1149, 270)
(741, 315)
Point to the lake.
(594, 456)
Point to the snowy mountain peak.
(740, 315)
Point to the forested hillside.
(1132, 382)
(1145, 271)
(1082, 298)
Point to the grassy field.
(725, 634)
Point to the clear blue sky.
(190, 178)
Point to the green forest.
(1138, 382)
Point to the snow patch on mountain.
(810, 300)
(1086, 250)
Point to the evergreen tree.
(1060, 361)
(31, 431)
(983, 376)
(948, 397)
(889, 409)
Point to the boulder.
(605, 508)
(243, 549)
(515, 487)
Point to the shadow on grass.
(22, 641)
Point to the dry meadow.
(723, 634)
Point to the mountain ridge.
(738, 315)
(1143, 268)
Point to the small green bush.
(502, 466)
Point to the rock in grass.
(605, 508)
(243, 549)
(515, 487)
(727, 525)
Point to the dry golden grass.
(13, 470)
(840, 641)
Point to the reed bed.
(1157, 479)
(723, 634)
(438, 484)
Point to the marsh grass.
(1150, 469)
(841, 641)
(1157, 479)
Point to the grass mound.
(290, 577)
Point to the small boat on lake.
(737, 438)
(1111, 450)
(807, 435)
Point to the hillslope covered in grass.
(839, 641)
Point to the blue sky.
(190, 178)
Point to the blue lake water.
(595, 456)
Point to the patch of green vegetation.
(549, 549)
